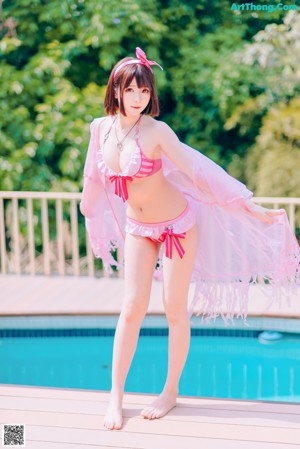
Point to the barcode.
(13, 434)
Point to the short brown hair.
(144, 78)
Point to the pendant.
(120, 146)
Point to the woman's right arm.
(90, 193)
(92, 186)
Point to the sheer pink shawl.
(234, 250)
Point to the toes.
(118, 425)
(157, 414)
(153, 413)
(146, 412)
(149, 415)
(110, 425)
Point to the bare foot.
(160, 406)
(113, 418)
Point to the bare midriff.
(154, 199)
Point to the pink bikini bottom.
(170, 231)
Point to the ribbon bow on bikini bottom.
(169, 237)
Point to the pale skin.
(152, 199)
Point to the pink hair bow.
(141, 59)
(141, 55)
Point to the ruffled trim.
(131, 168)
(180, 224)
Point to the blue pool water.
(217, 366)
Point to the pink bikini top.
(139, 166)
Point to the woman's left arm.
(173, 148)
(185, 161)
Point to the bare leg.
(177, 276)
(140, 260)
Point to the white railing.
(18, 253)
(61, 253)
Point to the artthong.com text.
(270, 8)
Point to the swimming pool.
(234, 363)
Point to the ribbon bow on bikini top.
(120, 185)
(141, 59)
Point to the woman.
(157, 199)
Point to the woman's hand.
(262, 213)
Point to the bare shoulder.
(158, 127)
(157, 124)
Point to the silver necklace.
(120, 142)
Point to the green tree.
(55, 58)
(273, 164)
(54, 62)
(263, 80)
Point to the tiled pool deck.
(73, 295)
(61, 418)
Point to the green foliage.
(273, 164)
(55, 58)
(227, 89)
(266, 74)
